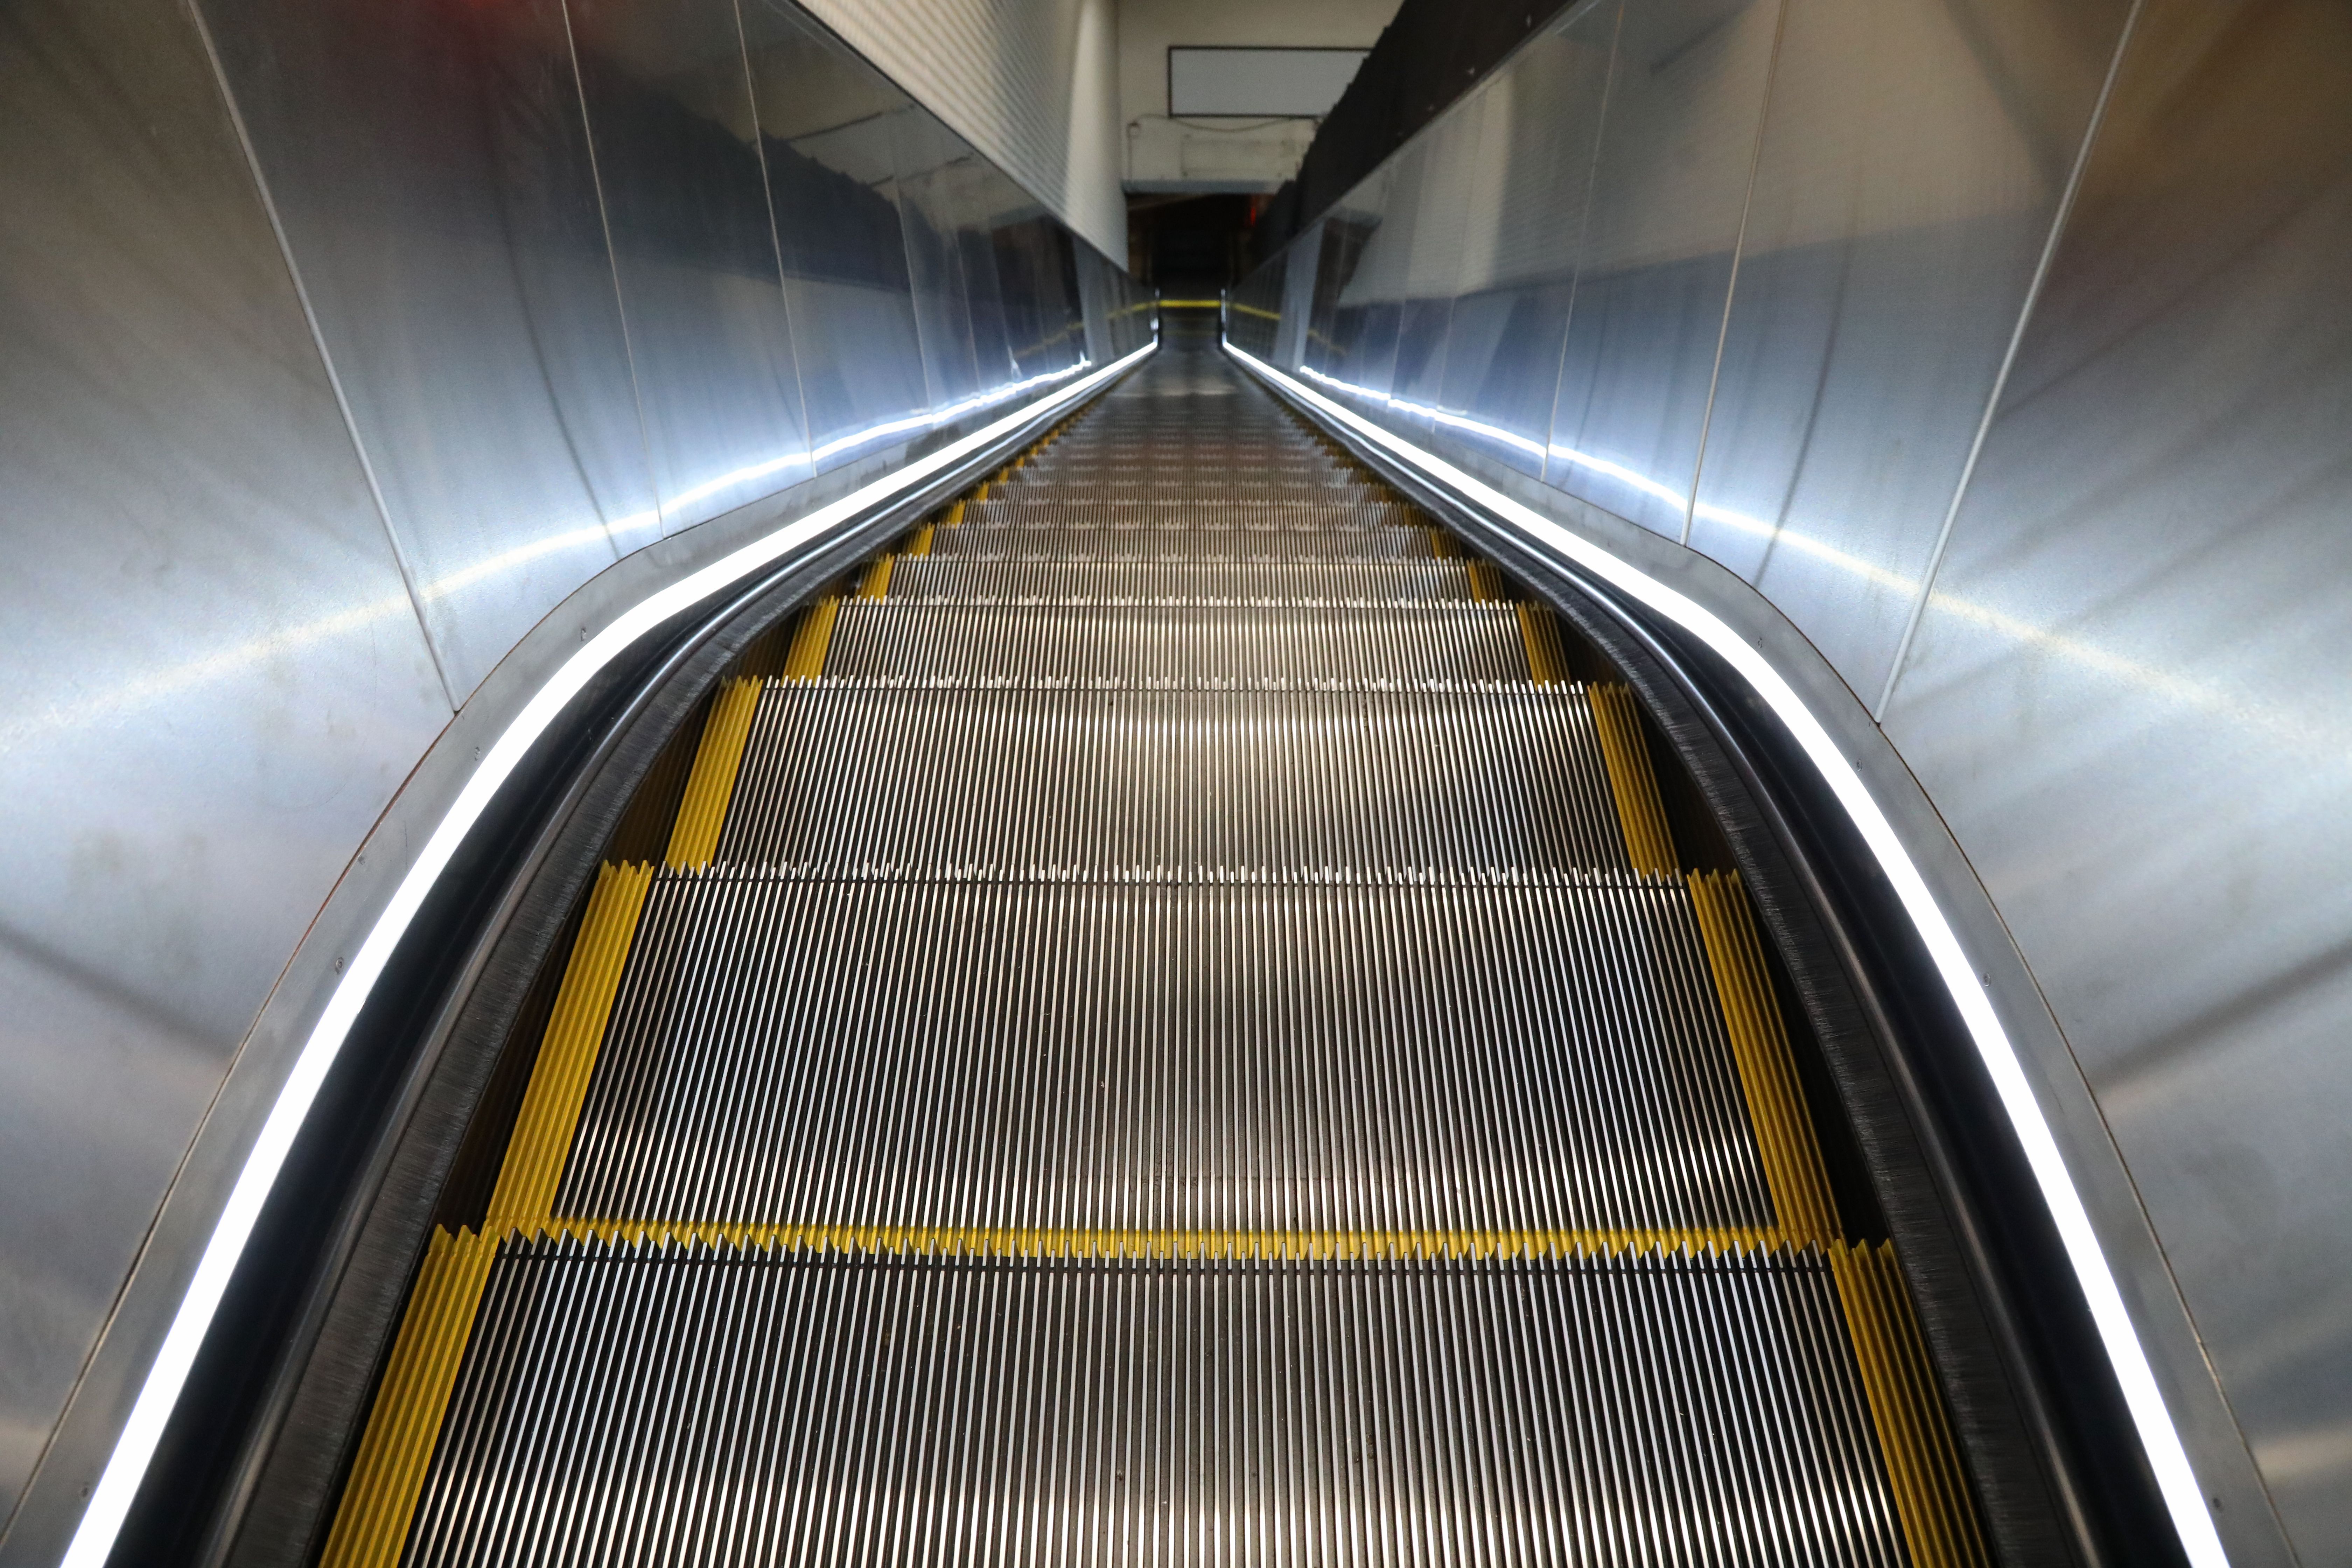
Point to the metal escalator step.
(1217, 516)
(627, 1405)
(937, 644)
(1284, 784)
(1126, 1056)
(1049, 540)
(1015, 581)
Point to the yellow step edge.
(710, 785)
(876, 584)
(525, 1193)
(1785, 1137)
(954, 515)
(1915, 1438)
(1649, 847)
(1442, 546)
(805, 660)
(380, 1497)
(920, 544)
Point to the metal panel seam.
(319, 342)
(2007, 361)
(1731, 285)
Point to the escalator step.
(1210, 514)
(1286, 784)
(914, 643)
(1053, 536)
(1002, 581)
(621, 1407)
(1168, 1057)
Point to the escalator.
(1172, 1024)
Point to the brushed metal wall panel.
(984, 194)
(2127, 693)
(217, 677)
(825, 144)
(1669, 189)
(430, 168)
(1503, 348)
(930, 162)
(1914, 155)
(1451, 199)
(677, 158)
(1368, 276)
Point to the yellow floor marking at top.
(702, 812)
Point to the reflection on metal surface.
(686, 203)
(216, 675)
(235, 637)
(433, 177)
(1503, 351)
(1891, 241)
(824, 138)
(1669, 193)
(2160, 499)
(160, 1390)
(2160, 1439)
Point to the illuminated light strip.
(134, 1447)
(2183, 1497)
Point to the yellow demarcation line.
(1648, 846)
(1486, 584)
(525, 1194)
(1785, 1138)
(1931, 1490)
(703, 812)
(380, 1497)
(1442, 544)
(1539, 634)
(877, 580)
(1915, 1438)
(1201, 305)
(805, 660)
(920, 544)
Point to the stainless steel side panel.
(430, 168)
(1503, 348)
(2129, 695)
(824, 125)
(1669, 189)
(1913, 157)
(926, 154)
(677, 159)
(1448, 204)
(215, 676)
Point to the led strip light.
(111, 1500)
(2167, 1457)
